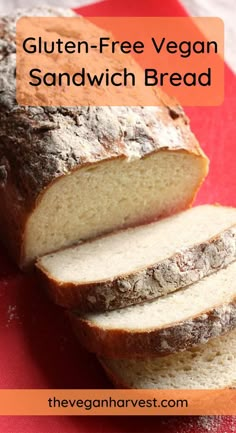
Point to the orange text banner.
(119, 61)
(117, 402)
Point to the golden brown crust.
(177, 337)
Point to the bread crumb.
(12, 314)
(202, 424)
(213, 424)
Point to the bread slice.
(143, 263)
(172, 323)
(209, 366)
(72, 173)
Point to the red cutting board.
(38, 349)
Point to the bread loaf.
(172, 323)
(69, 174)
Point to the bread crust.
(39, 145)
(182, 269)
(176, 337)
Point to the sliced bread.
(172, 323)
(143, 263)
(209, 366)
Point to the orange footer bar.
(117, 402)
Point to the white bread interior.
(130, 250)
(209, 366)
(113, 194)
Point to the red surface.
(38, 349)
